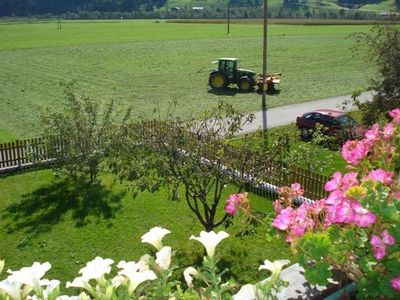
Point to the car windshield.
(346, 121)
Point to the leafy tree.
(81, 135)
(192, 155)
(286, 149)
(384, 45)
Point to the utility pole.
(264, 72)
(229, 16)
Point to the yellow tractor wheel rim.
(218, 81)
(245, 85)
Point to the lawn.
(141, 63)
(42, 219)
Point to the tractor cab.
(228, 66)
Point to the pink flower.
(234, 199)
(296, 187)
(298, 230)
(344, 213)
(284, 219)
(395, 114)
(335, 198)
(277, 206)
(354, 151)
(388, 131)
(395, 283)
(378, 247)
(349, 180)
(340, 182)
(373, 133)
(381, 175)
(362, 217)
(317, 207)
(387, 238)
(232, 204)
(301, 222)
(231, 209)
(334, 183)
(379, 244)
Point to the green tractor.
(229, 73)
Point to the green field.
(146, 62)
(46, 220)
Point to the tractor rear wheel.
(218, 81)
(245, 85)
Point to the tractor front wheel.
(245, 85)
(217, 81)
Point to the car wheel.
(305, 134)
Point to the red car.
(334, 121)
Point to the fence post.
(17, 153)
(1, 155)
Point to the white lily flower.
(78, 282)
(247, 292)
(210, 240)
(144, 263)
(136, 278)
(187, 274)
(163, 257)
(131, 271)
(141, 265)
(30, 276)
(275, 267)
(130, 265)
(96, 268)
(155, 236)
(84, 296)
(12, 288)
(117, 281)
(1, 265)
(50, 285)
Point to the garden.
(132, 208)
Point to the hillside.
(363, 5)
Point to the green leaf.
(391, 214)
(318, 274)
(316, 245)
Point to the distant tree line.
(57, 7)
(351, 4)
(133, 9)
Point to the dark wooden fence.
(21, 154)
(278, 175)
(32, 152)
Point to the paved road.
(284, 115)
